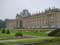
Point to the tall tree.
(2, 24)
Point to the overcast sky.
(9, 8)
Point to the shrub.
(8, 32)
(55, 33)
(19, 34)
(3, 30)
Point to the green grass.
(28, 40)
(40, 36)
(35, 33)
(6, 36)
(52, 41)
(12, 34)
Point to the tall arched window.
(21, 24)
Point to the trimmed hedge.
(19, 34)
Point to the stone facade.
(47, 19)
(10, 23)
(38, 21)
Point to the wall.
(10, 23)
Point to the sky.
(9, 8)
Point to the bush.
(19, 34)
(55, 33)
(8, 32)
(3, 30)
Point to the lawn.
(39, 36)
(12, 34)
(35, 33)
(28, 40)
(40, 40)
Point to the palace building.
(48, 19)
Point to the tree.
(2, 24)
(8, 32)
(3, 31)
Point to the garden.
(44, 37)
